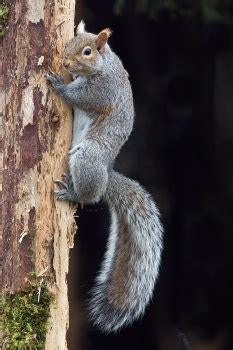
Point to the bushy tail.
(129, 271)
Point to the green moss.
(3, 15)
(25, 317)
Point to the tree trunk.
(37, 229)
(1, 169)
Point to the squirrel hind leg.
(90, 182)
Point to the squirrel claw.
(55, 79)
(61, 195)
(65, 182)
(66, 191)
(61, 184)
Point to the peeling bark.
(37, 230)
(1, 169)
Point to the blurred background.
(179, 55)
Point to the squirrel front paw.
(55, 79)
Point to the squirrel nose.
(66, 65)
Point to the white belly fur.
(81, 125)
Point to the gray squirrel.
(101, 96)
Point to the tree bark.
(37, 229)
(1, 169)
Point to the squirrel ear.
(80, 28)
(102, 38)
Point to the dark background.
(180, 61)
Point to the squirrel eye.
(87, 51)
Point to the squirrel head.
(83, 55)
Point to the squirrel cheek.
(97, 65)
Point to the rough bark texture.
(1, 169)
(37, 230)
